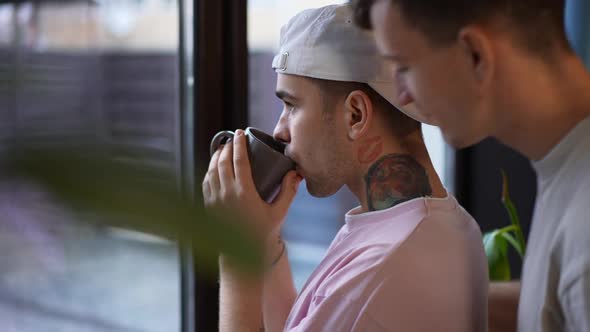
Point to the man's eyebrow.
(284, 95)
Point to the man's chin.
(318, 190)
(458, 142)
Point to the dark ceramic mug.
(267, 159)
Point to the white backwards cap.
(324, 43)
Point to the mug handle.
(218, 139)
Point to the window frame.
(219, 101)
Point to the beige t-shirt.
(555, 293)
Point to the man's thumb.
(288, 191)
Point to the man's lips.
(299, 171)
(298, 168)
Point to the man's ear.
(477, 45)
(358, 114)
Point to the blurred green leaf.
(515, 244)
(132, 196)
(496, 246)
(496, 242)
(513, 215)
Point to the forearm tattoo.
(393, 179)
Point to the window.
(312, 223)
(113, 64)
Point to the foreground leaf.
(131, 196)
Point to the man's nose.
(281, 132)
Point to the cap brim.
(388, 90)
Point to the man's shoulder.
(576, 212)
(444, 225)
(453, 219)
(570, 248)
(575, 224)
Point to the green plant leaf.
(515, 244)
(513, 215)
(131, 196)
(496, 242)
(496, 246)
(506, 232)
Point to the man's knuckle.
(240, 192)
(241, 159)
(211, 172)
(225, 195)
(224, 162)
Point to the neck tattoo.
(394, 179)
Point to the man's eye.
(288, 105)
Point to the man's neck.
(396, 175)
(538, 122)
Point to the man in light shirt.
(409, 258)
(516, 78)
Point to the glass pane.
(112, 64)
(6, 21)
(312, 223)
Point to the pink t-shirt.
(418, 266)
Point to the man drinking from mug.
(514, 77)
(409, 258)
